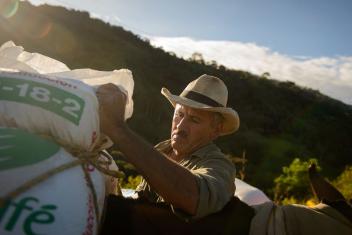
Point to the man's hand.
(112, 102)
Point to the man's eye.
(195, 120)
(177, 114)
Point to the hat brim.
(231, 118)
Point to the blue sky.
(308, 42)
(295, 27)
(301, 28)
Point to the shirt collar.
(165, 147)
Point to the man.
(190, 173)
(187, 172)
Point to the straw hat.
(208, 93)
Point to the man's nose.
(182, 124)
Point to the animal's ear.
(322, 189)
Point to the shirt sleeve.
(215, 179)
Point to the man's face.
(192, 129)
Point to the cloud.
(330, 75)
(114, 20)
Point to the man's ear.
(217, 130)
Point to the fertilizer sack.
(61, 204)
(62, 109)
(43, 96)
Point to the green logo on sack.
(50, 98)
(30, 209)
(19, 148)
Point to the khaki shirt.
(215, 175)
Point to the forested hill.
(279, 120)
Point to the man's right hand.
(112, 103)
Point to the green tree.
(197, 57)
(344, 182)
(294, 181)
(265, 75)
(132, 182)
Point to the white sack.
(249, 194)
(62, 204)
(62, 109)
(122, 78)
(34, 105)
(14, 57)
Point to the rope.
(97, 158)
(94, 193)
(37, 180)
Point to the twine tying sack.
(97, 158)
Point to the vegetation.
(344, 183)
(279, 120)
(132, 182)
(293, 184)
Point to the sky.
(308, 42)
